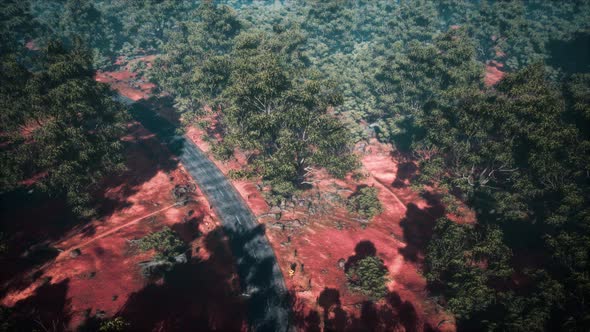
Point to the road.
(259, 273)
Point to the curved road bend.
(258, 270)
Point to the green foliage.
(365, 202)
(295, 83)
(464, 261)
(60, 126)
(117, 324)
(166, 243)
(368, 276)
(507, 150)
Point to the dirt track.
(259, 272)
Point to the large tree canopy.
(59, 126)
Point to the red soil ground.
(105, 278)
(314, 243)
(126, 82)
(494, 72)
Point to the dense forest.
(298, 83)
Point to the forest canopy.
(295, 84)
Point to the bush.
(117, 324)
(369, 277)
(165, 242)
(222, 151)
(365, 203)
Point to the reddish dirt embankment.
(127, 82)
(494, 72)
(103, 279)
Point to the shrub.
(365, 203)
(222, 151)
(117, 324)
(165, 242)
(369, 277)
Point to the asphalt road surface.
(260, 277)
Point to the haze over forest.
(481, 106)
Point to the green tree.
(63, 128)
(368, 276)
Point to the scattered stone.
(182, 259)
(191, 212)
(341, 263)
(75, 253)
(91, 275)
(182, 192)
(101, 314)
(115, 297)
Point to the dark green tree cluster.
(518, 155)
(58, 126)
(272, 106)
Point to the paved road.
(259, 273)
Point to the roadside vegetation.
(295, 84)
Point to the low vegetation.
(117, 324)
(365, 202)
(165, 243)
(368, 276)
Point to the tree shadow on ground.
(418, 225)
(200, 295)
(48, 309)
(146, 155)
(405, 171)
(29, 223)
(260, 278)
(392, 314)
(362, 250)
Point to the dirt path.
(386, 187)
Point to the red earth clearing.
(494, 72)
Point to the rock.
(75, 253)
(182, 259)
(341, 263)
(101, 314)
(275, 209)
